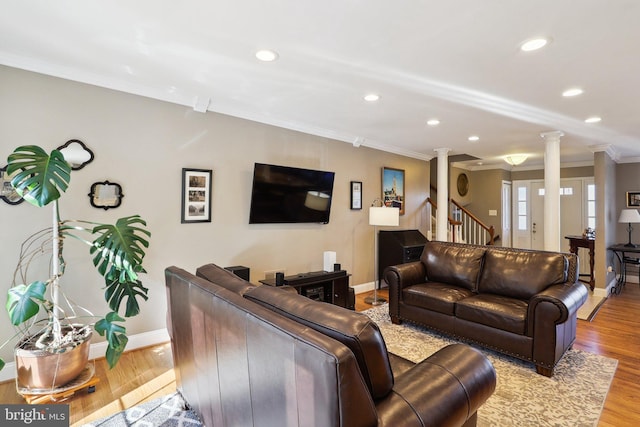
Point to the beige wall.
(143, 144)
(607, 190)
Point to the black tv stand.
(327, 286)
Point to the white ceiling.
(455, 60)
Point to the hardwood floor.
(146, 374)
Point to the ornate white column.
(442, 213)
(552, 236)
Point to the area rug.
(166, 411)
(574, 396)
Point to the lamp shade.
(384, 216)
(629, 215)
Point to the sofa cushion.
(435, 296)
(508, 314)
(224, 278)
(455, 264)
(355, 330)
(521, 273)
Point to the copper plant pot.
(41, 370)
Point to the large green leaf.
(23, 302)
(116, 337)
(116, 292)
(119, 249)
(39, 178)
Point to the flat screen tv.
(283, 194)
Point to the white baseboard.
(364, 287)
(96, 351)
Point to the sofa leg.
(547, 372)
(395, 320)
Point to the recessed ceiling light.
(534, 44)
(372, 97)
(572, 92)
(267, 55)
(433, 122)
(594, 119)
(474, 138)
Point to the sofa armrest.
(398, 277)
(567, 298)
(446, 389)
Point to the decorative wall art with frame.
(393, 188)
(7, 192)
(196, 195)
(105, 195)
(633, 199)
(462, 184)
(356, 195)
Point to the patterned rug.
(166, 411)
(574, 396)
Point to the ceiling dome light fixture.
(594, 119)
(474, 138)
(572, 92)
(372, 97)
(267, 55)
(515, 159)
(433, 122)
(534, 44)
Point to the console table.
(620, 250)
(576, 242)
(327, 286)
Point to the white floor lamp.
(380, 216)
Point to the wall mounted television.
(283, 194)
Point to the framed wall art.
(7, 192)
(393, 188)
(196, 195)
(356, 195)
(633, 199)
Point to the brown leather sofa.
(248, 355)
(519, 302)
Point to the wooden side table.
(576, 242)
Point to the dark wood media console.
(327, 286)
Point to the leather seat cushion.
(435, 296)
(508, 314)
(521, 274)
(355, 330)
(457, 265)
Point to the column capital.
(442, 151)
(552, 135)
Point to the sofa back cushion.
(224, 278)
(520, 273)
(451, 263)
(355, 330)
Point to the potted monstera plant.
(53, 332)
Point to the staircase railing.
(473, 230)
(463, 226)
(453, 225)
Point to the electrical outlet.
(493, 212)
(609, 269)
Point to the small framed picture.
(393, 188)
(7, 192)
(356, 195)
(196, 195)
(633, 199)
